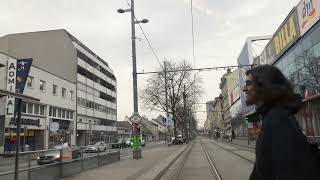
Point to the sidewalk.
(128, 168)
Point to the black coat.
(282, 151)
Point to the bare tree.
(153, 94)
(308, 75)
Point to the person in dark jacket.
(282, 151)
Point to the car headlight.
(57, 156)
(38, 158)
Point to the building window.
(24, 107)
(59, 113)
(36, 109)
(42, 110)
(42, 86)
(54, 112)
(63, 92)
(63, 114)
(71, 95)
(67, 114)
(50, 111)
(30, 108)
(30, 82)
(71, 115)
(80, 120)
(54, 89)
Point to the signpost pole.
(16, 165)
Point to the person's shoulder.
(277, 116)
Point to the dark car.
(121, 143)
(53, 156)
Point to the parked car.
(54, 155)
(98, 147)
(121, 143)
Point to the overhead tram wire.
(200, 69)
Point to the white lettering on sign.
(11, 86)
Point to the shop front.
(31, 133)
(60, 131)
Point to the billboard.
(287, 34)
(308, 14)
(244, 59)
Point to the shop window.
(67, 114)
(54, 112)
(24, 107)
(50, 111)
(30, 82)
(30, 108)
(59, 113)
(36, 109)
(63, 113)
(42, 110)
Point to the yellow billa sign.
(286, 35)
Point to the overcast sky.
(220, 26)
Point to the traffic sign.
(135, 118)
(169, 121)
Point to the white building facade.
(63, 63)
(57, 104)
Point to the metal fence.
(49, 164)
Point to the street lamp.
(137, 153)
(133, 39)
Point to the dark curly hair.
(272, 86)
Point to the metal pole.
(134, 65)
(16, 165)
(185, 113)
(166, 87)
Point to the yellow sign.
(286, 35)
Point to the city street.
(7, 164)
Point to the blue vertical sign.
(23, 69)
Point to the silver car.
(98, 147)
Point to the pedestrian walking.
(282, 151)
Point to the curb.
(156, 172)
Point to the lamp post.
(135, 117)
(133, 41)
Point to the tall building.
(60, 54)
(210, 116)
